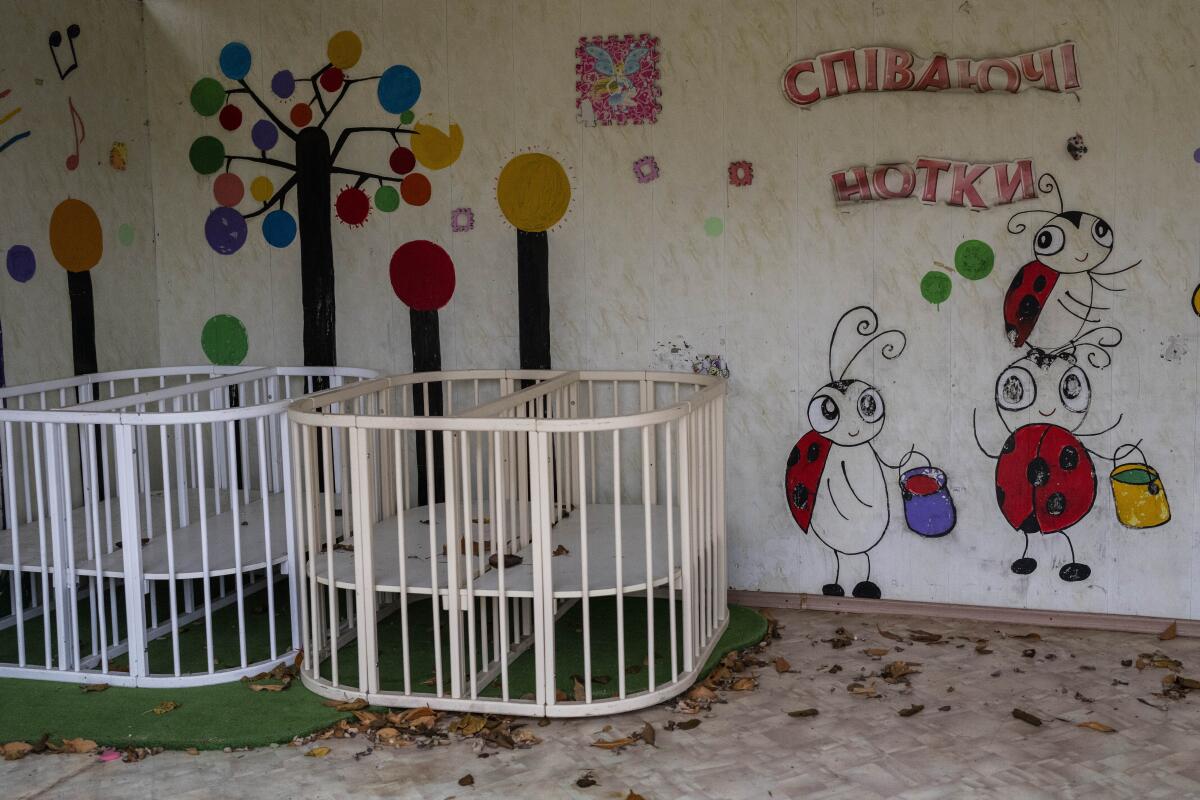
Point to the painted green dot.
(974, 259)
(207, 155)
(935, 287)
(125, 234)
(208, 96)
(387, 198)
(407, 117)
(224, 340)
(713, 226)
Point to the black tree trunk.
(83, 322)
(427, 357)
(533, 299)
(313, 165)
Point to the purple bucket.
(928, 506)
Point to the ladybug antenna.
(1097, 342)
(866, 324)
(1047, 184)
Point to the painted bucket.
(928, 506)
(1139, 496)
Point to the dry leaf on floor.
(1029, 653)
(1033, 637)
(895, 637)
(560, 551)
(191, 751)
(911, 710)
(924, 636)
(804, 712)
(578, 689)
(781, 664)
(467, 780)
(165, 707)
(468, 724)
(346, 705)
(267, 687)
(318, 752)
(524, 738)
(1096, 726)
(78, 746)
(1169, 633)
(862, 691)
(614, 744)
(1025, 716)
(648, 734)
(633, 796)
(897, 670)
(982, 649)
(585, 780)
(877, 652)
(14, 751)
(745, 684)
(702, 693)
(841, 638)
(88, 688)
(687, 724)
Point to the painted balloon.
(533, 191)
(224, 340)
(422, 275)
(398, 89)
(279, 228)
(76, 238)
(21, 262)
(225, 230)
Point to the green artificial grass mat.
(230, 715)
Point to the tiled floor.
(965, 743)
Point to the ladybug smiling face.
(1044, 388)
(1073, 241)
(847, 413)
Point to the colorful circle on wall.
(399, 88)
(1196, 301)
(402, 160)
(1196, 155)
(422, 275)
(264, 134)
(416, 189)
(230, 118)
(533, 191)
(407, 117)
(434, 149)
(261, 188)
(352, 206)
(235, 61)
(974, 259)
(301, 114)
(228, 189)
(76, 238)
(935, 287)
(207, 154)
(224, 340)
(344, 49)
(714, 226)
(387, 198)
(207, 97)
(125, 234)
(332, 79)
(225, 230)
(21, 263)
(283, 84)
(279, 228)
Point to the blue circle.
(398, 90)
(235, 61)
(279, 228)
(264, 134)
(21, 263)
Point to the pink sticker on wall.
(617, 80)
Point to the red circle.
(228, 189)
(422, 275)
(352, 206)
(402, 161)
(230, 118)
(331, 79)
(301, 114)
(415, 189)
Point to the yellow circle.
(1196, 301)
(533, 192)
(434, 149)
(261, 188)
(344, 49)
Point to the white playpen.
(146, 527)
(537, 543)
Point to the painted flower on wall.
(645, 169)
(741, 173)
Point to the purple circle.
(21, 263)
(1196, 155)
(264, 134)
(283, 84)
(225, 230)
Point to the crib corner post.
(64, 585)
(131, 549)
(543, 590)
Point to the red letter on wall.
(791, 87)
(858, 191)
(933, 168)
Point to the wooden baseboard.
(1127, 623)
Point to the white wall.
(632, 267)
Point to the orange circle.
(301, 114)
(76, 238)
(416, 190)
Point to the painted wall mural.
(617, 80)
(835, 481)
(5, 117)
(314, 167)
(77, 241)
(939, 180)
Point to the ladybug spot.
(1030, 525)
(999, 496)
(1010, 444)
(1056, 504)
(1038, 472)
(793, 456)
(1028, 307)
(814, 451)
(1039, 283)
(800, 496)
(1068, 459)
(1016, 281)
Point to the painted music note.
(56, 42)
(80, 135)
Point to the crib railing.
(607, 486)
(156, 547)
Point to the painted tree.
(317, 162)
(77, 241)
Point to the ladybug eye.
(823, 413)
(870, 406)
(1075, 390)
(1015, 389)
(1049, 240)
(1102, 233)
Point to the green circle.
(974, 259)
(125, 234)
(208, 96)
(713, 226)
(207, 155)
(935, 287)
(387, 198)
(407, 117)
(224, 340)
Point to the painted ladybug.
(835, 481)
(1053, 297)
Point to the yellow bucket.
(1139, 496)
